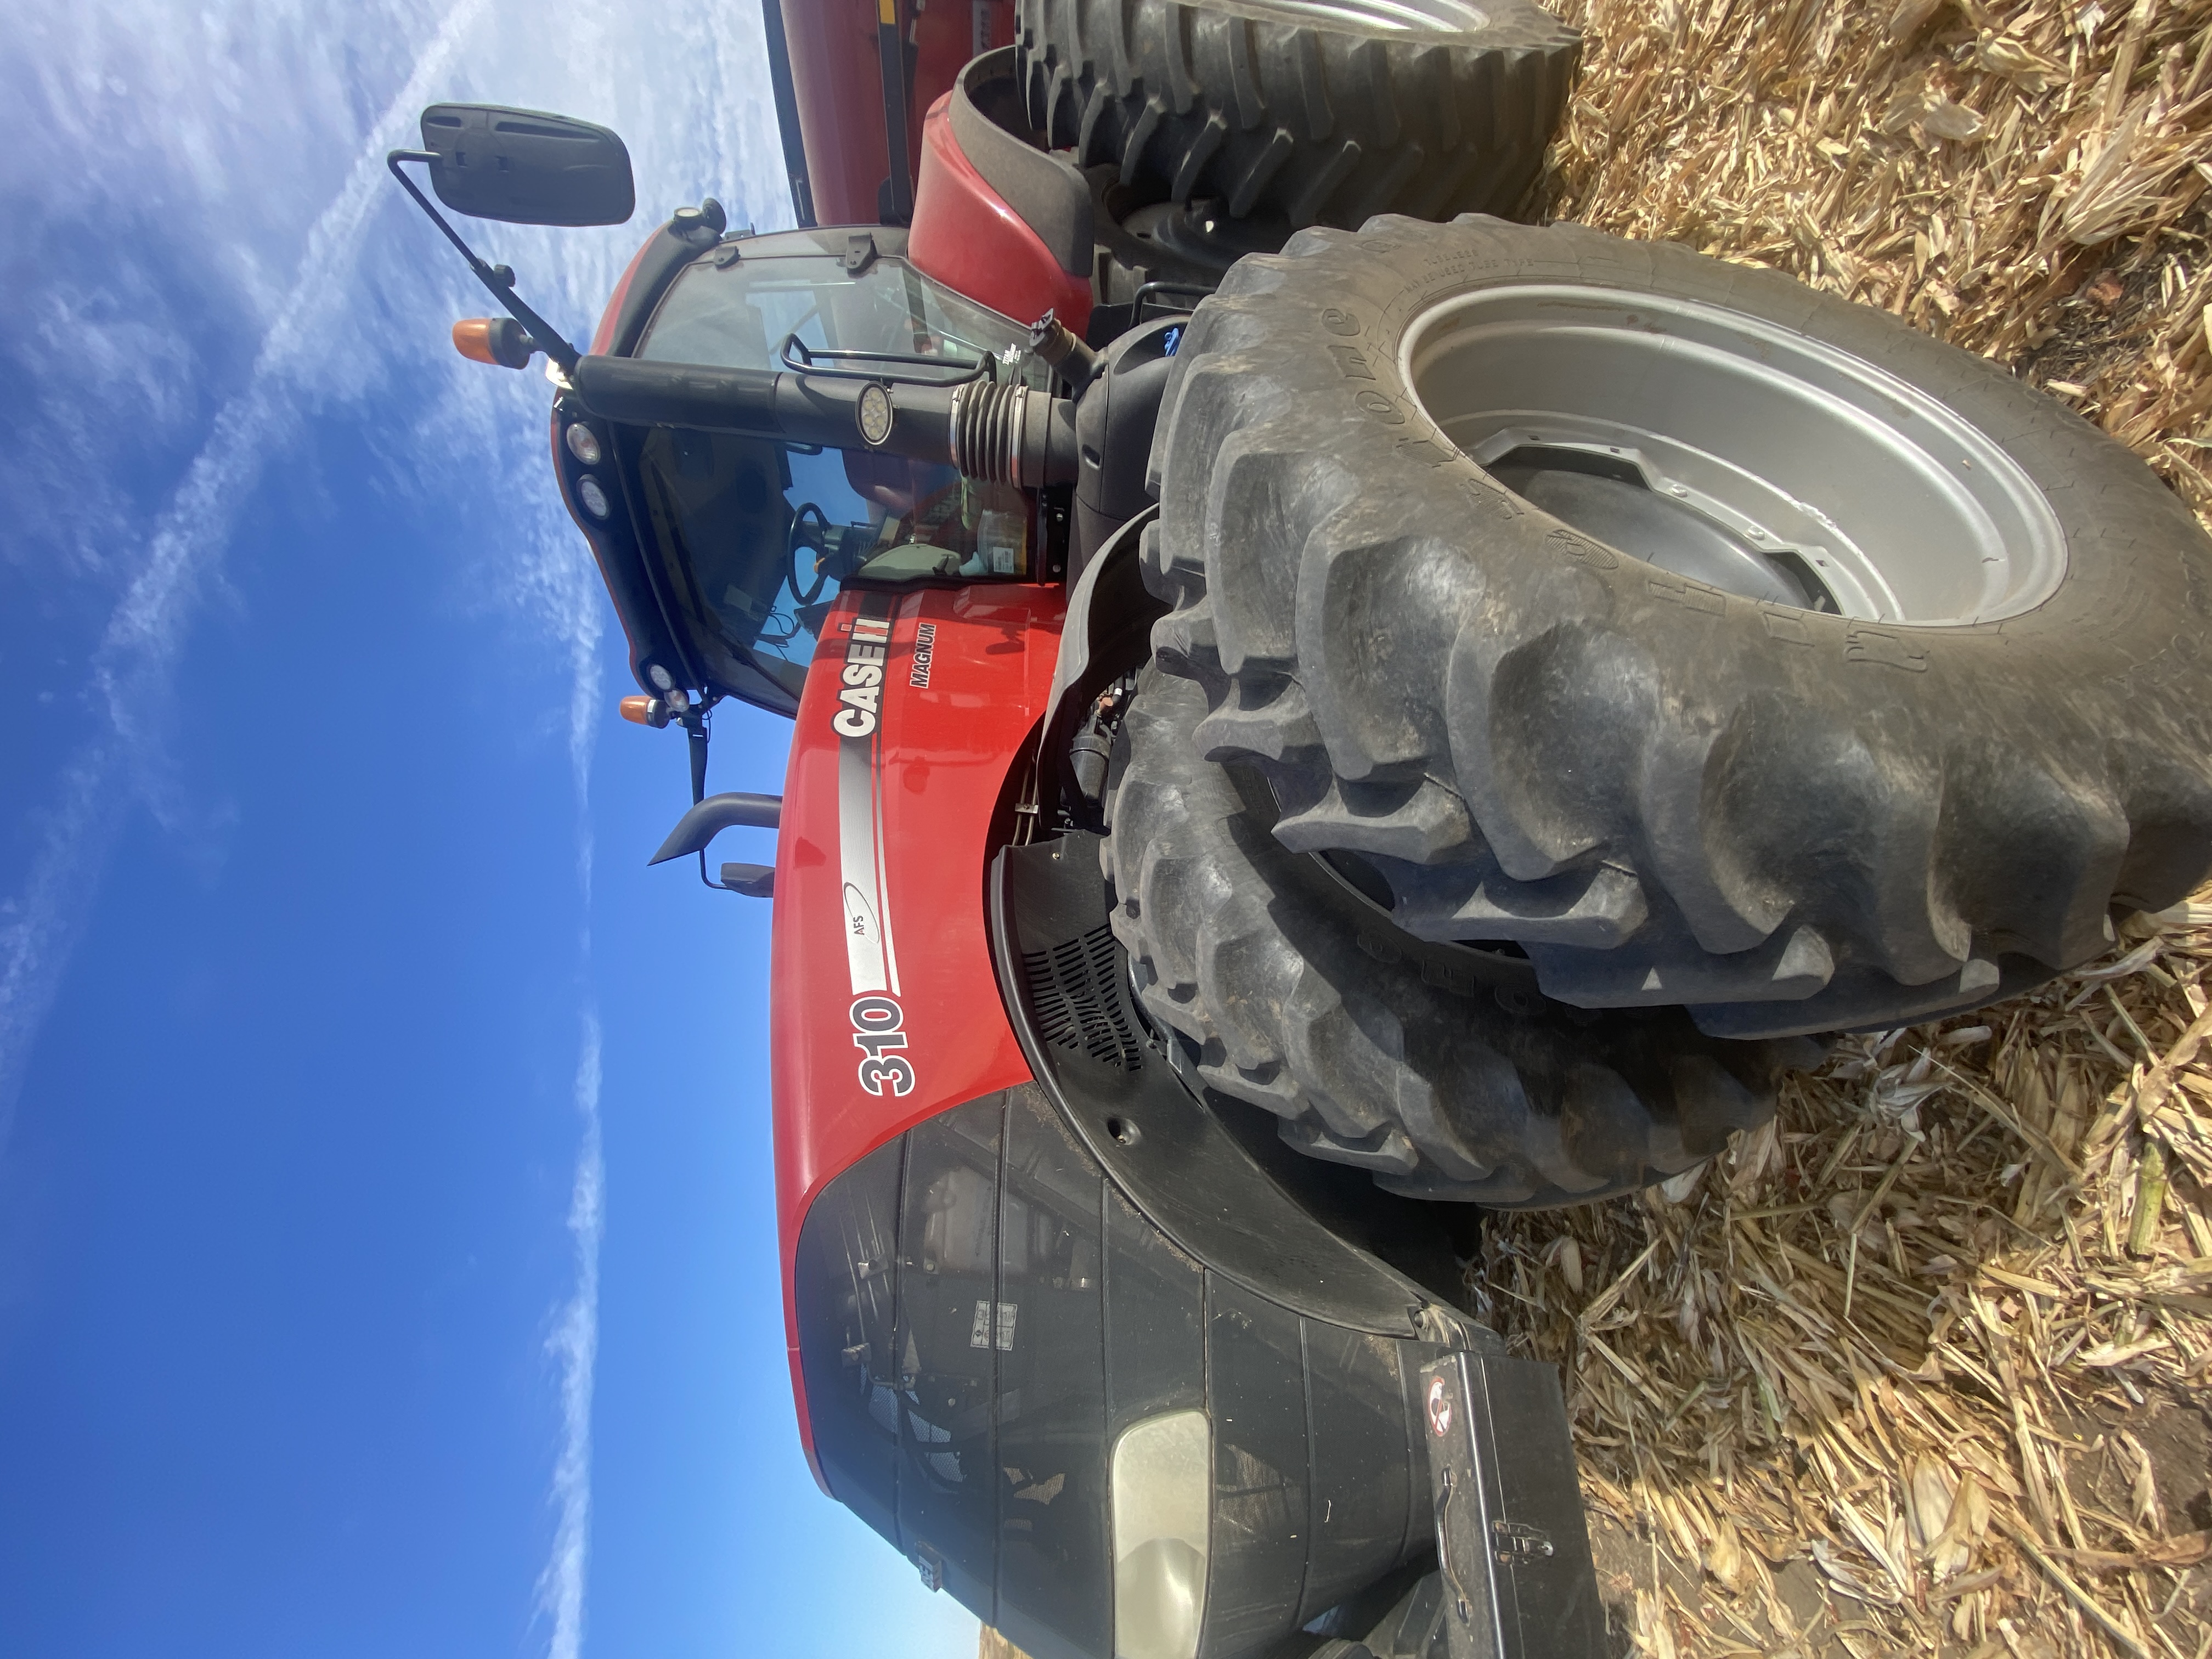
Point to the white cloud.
(194, 142)
(562, 586)
(164, 173)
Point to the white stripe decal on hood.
(871, 960)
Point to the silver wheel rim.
(1400, 16)
(1758, 460)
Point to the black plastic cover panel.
(1055, 1579)
(845, 1282)
(1155, 1321)
(1370, 1500)
(983, 1313)
(948, 1237)
(1256, 1381)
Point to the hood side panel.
(885, 1008)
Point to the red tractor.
(1318, 711)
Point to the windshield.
(755, 536)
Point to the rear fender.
(996, 218)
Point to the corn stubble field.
(1927, 1365)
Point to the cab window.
(755, 537)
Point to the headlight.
(1162, 1488)
(593, 498)
(584, 444)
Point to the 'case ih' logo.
(861, 697)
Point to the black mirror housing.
(527, 167)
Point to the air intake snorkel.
(997, 432)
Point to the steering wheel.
(812, 537)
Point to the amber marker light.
(645, 711)
(499, 341)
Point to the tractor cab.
(752, 537)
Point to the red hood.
(885, 1008)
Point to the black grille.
(1075, 992)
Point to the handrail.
(809, 362)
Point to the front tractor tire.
(1719, 643)
(1442, 1071)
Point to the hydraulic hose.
(1002, 434)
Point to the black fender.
(1106, 634)
(1209, 1172)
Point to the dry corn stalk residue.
(1927, 1366)
(1922, 1366)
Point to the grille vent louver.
(1078, 1004)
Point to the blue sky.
(387, 1251)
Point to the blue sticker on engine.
(1170, 340)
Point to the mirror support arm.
(498, 278)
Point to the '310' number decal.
(876, 1033)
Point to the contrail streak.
(120, 768)
(575, 1343)
(138, 648)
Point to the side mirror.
(526, 167)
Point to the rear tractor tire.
(1315, 114)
